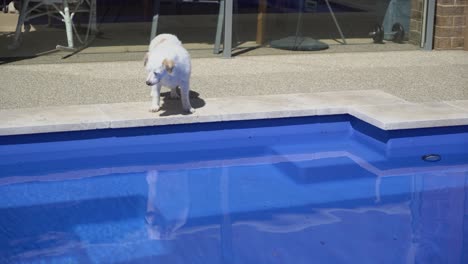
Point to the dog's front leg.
(185, 92)
(155, 93)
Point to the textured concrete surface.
(416, 76)
(373, 106)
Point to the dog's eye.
(156, 74)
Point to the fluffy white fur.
(168, 64)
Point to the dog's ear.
(169, 65)
(145, 59)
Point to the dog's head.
(157, 72)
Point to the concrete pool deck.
(416, 76)
(391, 90)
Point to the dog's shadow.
(174, 106)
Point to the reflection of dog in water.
(168, 203)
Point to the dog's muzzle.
(149, 83)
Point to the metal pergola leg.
(19, 25)
(429, 34)
(336, 22)
(227, 52)
(219, 27)
(68, 23)
(93, 15)
(154, 24)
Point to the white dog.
(168, 64)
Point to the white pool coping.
(375, 107)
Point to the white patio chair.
(63, 10)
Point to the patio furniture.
(398, 11)
(297, 41)
(63, 10)
(219, 27)
(5, 6)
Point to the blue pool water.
(302, 190)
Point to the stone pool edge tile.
(124, 115)
(39, 129)
(426, 124)
(367, 114)
(26, 121)
(353, 111)
(460, 104)
(214, 111)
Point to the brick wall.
(416, 22)
(450, 24)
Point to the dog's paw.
(190, 111)
(152, 177)
(154, 109)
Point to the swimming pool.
(299, 190)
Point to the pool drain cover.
(431, 157)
